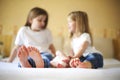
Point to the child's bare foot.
(35, 55)
(60, 61)
(85, 64)
(60, 66)
(23, 56)
(75, 63)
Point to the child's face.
(71, 25)
(38, 23)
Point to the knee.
(96, 60)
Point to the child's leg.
(35, 55)
(93, 60)
(47, 57)
(85, 64)
(23, 57)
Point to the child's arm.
(52, 48)
(81, 50)
(13, 54)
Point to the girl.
(84, 55)
(34, 41)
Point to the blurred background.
(104, 20)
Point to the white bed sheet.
(10, 71)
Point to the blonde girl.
(84, 54)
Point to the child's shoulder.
(85, 34)
(23, 28)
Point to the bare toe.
(23, 55)
(71, 63)
(35, 55)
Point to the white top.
(41, 39)
(78, 41)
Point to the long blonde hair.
(82, 24)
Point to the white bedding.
(10, 71)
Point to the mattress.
(10, 71)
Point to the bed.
(110, 71)
(10, 71)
